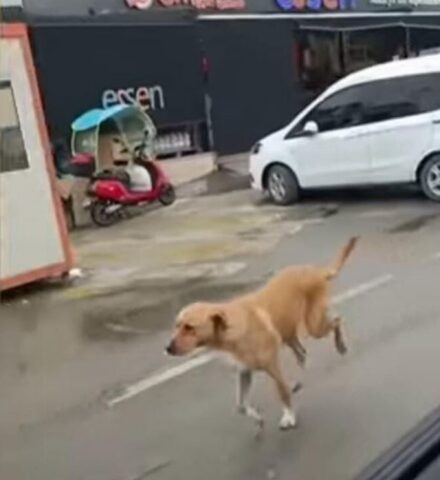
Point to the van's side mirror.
(310, 128)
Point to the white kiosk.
(34, 241)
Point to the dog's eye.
(188, 328)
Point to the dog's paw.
(260, 431)
(341, 347)
(302, 361)
(340, 343)
(251, 412)
(297, 387)
(288, 420)
(260, 424)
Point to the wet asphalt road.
(60, 426)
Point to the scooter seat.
(116, 175)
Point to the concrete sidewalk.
(230, 174)
(238, 163)
(187, 169)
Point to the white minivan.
(377, 126)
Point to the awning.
(364, 23)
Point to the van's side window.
(341, 110)
(374, 102)
(425, 90)
(388, 99)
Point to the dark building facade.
(218, 73)
(83, 66)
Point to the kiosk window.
(12, 151)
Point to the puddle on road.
(414, 224)
(328, 211)
(310, 212)
(190, 239)
(252, 233)
(199, 252)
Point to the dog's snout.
(171, 349)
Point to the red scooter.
(110, 191)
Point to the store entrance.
(318, 59)
(424, 40)
(364, 48)
(324, 55)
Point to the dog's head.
(198, 325)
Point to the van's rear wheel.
(430, 178)
(282, 185)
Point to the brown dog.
(252, 328)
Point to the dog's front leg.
(288, 419)
(243, 388)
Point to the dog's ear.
(219, 321)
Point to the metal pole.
(407, 42)
(343, 40)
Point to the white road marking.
(162, 377)
(185, 367)
(362, 289)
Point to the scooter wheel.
(168, 196)
(100, 215)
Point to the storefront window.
(365, 48)
(424, 41)
(318, 60)
(324, 57)
(12, 151)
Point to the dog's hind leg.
(299, 351)
(243, 388)
(340, 342)
(319, 325)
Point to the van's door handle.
(436, 121)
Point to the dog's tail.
(333, 270)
